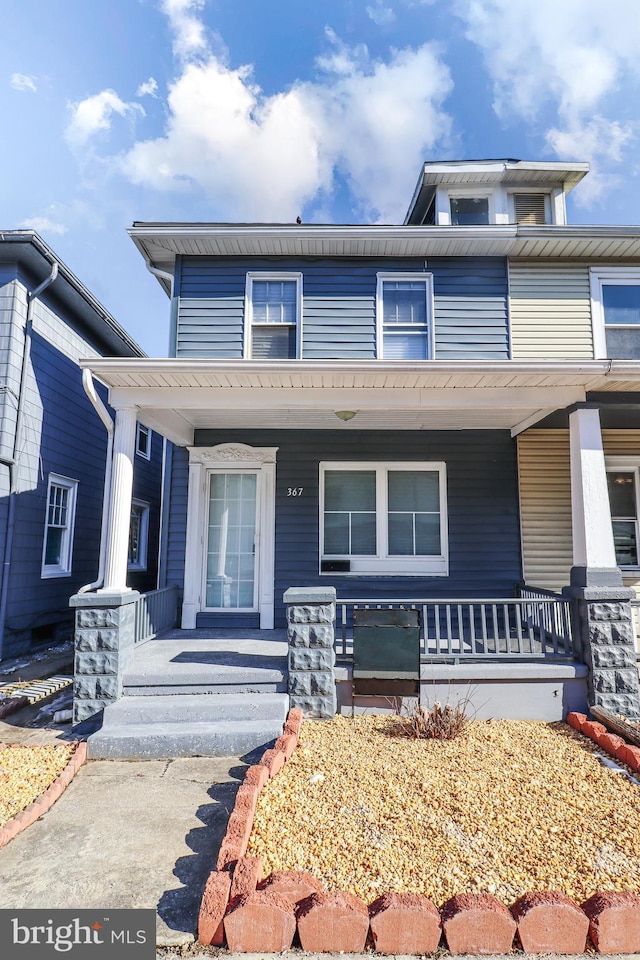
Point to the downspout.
(13, 466)
(103, 413)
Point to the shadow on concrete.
(179, 908)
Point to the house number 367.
(294, 491)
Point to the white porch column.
(594, 558)
(124, 440)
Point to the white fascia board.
(275, 398)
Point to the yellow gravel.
(25, 773)
(510, 807)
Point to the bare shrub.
(439, 722)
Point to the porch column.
(117, 550)
(604, 618)
(594, 556)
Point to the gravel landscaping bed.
(510, 807)
(26, 772)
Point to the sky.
(265, 110)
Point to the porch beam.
(288, 398)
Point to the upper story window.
(615, 298)
(57, 548)
(469, 211)
(143, 441)
(405, 311)
(385, 518)
(273, 310)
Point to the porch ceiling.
(175, 397)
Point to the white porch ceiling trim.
(175, 397)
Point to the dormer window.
(469, 211)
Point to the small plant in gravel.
(438, 722)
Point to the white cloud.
(44, 225)
(148, 89)
(189, 35)
(94, 114)
(380, 13)
(574, 58)
(264, 157)
(23, 82)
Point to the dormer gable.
(485, 192)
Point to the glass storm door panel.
(231, 534)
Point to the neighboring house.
(53, 447)
(400, 412)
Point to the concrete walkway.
(127, 834)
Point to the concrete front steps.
(198, 693)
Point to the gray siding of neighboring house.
(339, 305)
(484, 537)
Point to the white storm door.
(231, 574)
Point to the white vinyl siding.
(544, 475)
(550, 311)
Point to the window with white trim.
(143, 441)
(57, 548)
(138, 535)
(273, 309)
(622, 482)
(387, 519)
(615, 296)
(469, 211)
(405, 311)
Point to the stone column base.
(104, 644)
(311, 613)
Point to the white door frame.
(230, 456)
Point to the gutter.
(103, 413)
(15, 460)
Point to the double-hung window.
(143, 441)
(615, 298)
(622, 481)
(405, 312)
(138, 535)
(57, 548)
(273, 309)
(384, 518)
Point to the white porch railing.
(154, 612)
(537, 626)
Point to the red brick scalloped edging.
(255, 915)
(609, 742)
(47, 799)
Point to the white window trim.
(468, 193)
(248, 307)
(427, 279)
(141, 564)
(607, 276)
(64, 568)
(382, 564)
(626, 464)
(140, 427)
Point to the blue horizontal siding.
(339, 305)
(484, 538)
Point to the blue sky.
(247, 110)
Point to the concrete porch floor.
(209, 661)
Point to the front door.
(231, 574)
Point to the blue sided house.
(54, 448)
(439, 415)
